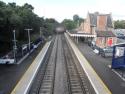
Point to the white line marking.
(117, 73)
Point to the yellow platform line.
(95, 80)
(22, 87)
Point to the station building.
(98, 28)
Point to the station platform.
(25, 82)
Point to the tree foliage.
(17, 17)
(49, 26)
(75, 18)
(119, 24)
(72, 24)
(69, 24)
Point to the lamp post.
(40, 32)
(14, 46)
(28, 30)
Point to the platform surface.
(24, 84)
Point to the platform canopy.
(75, 33)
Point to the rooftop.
(93, 19)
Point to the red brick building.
(102, 26)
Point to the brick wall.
(103, 42)
(81, 28)
(87, 28)
(100, 42)
(101, 22)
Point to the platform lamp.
(14, 43)
(40, 32)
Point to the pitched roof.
(109, 21)
(105, 34)
(93, 19)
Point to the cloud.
(66, 9)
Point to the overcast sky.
(61, 9)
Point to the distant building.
(100, 25)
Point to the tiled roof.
(105, 34)
(93, 19)
(109, 21)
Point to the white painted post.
(29, 37)
(14, 47)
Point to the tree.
(69, 24)
(17, 17)
(75, 18)
(119, 24)
(49, 26)
(2, 4)
(28, 6)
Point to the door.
(110, 41)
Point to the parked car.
(96, 49)
(92, 44)
(106, 52)
(120, 35)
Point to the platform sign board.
(118, 59)
(119, 51)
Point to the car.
(106, 52)
(92, 44)
(96, 49)
(120, 36)
(35, 46)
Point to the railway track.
(47, 86)
(44, 82)
(47, 79)
(75, 76)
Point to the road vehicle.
(106, 52)
(7, 60)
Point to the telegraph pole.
(28, 30)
